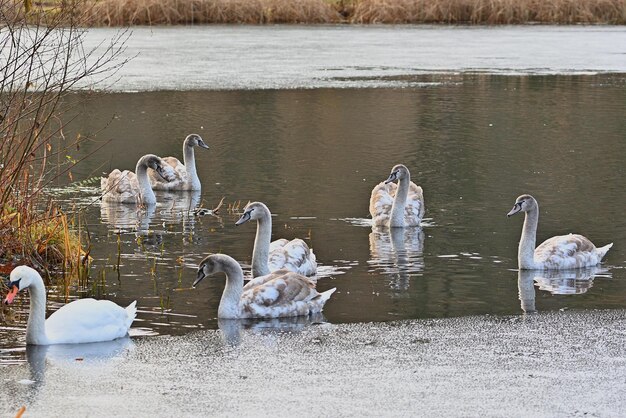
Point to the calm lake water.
(474, 142)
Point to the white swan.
(128, 187)
(397, 206)
(278, 294)
(180, 176)
(560, 252)
(81, 321)
(292, 255)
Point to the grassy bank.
(489, 12)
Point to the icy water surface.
(235, 57)
(473, 142)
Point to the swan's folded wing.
(282, 288)
(174, 171)
(414, 209)
(294, 255)
(279, 243)
(257, 281)
(110, 183)
(87, 320)
(381, 201)
(566, 251)
(120, 186)
(133, 182)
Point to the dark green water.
(473, 142)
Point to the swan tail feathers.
(131, 311)
(324, 296)
(603, 250)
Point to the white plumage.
(128, 187)
(560, 252)
(294, 255)
(398, 205)
(81, 321)
(282, 293)
(180, 176)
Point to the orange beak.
(11, 295)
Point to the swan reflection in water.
(40, 357)
(170, 208)
(397, 252)
(557, 282)
(234, 330)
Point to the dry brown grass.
(173, 12)
(490, 11)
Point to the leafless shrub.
(42, 59)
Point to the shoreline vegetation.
(40, 66)
(476, 12)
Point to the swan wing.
(414, 209)
(89, 320)
(381, 201)
(175, 174)
(120, 186)
(282, 293)
(567, 251)
(294, 255)
(278, 244)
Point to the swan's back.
(175, 173)
(120, 186)
(381, 202)
(294, 255)
(89, 320)
(569, 251)
(280, 294)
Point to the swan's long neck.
(399, 203)
(36, 327)
(190, 165)
(147, 195)
(230, 302)
(526, 249)
(261, 251)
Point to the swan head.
(212, 264)
(398, 172)
(194, 140)
(21, 277)
(155, 163)
(253, 211)
(524, 203)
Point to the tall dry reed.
(172, 12)
(490, 12)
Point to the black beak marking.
(199, 278)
